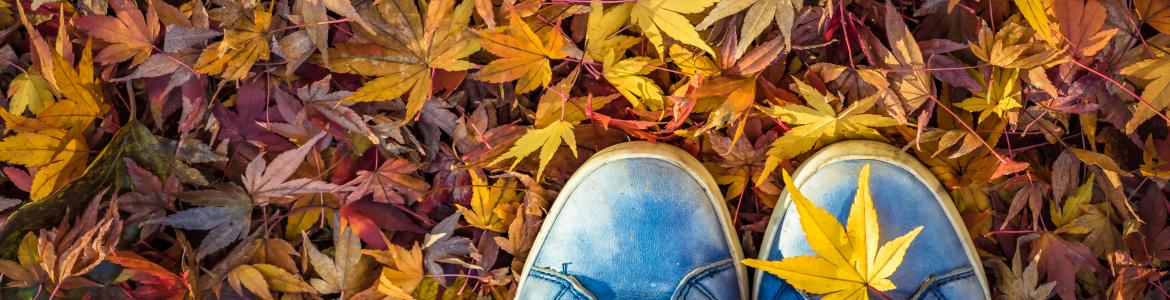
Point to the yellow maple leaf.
(1154, 12)
(1072, 204)
(547, 139)
(759, 17)
(1152, 164)
(260, 278)
(29, 91)
(627, 76)
(240, 48)
(556, 115)
(523, 55)
(849, 261)
(601, 35)
(735, 94)
(248, 277)
(820, 124)
(1037, 13)
(691, 63)
(1154, 72)
(656, 17)
(402, 271)
(556, 105)
(492, 207)
(916, 87)
(1013, 47)
(51, 145)
(405, 50)
(1002, 99)
(55, 158)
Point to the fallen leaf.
(29, 91)
(524, 56)
(760, 15)
(492, 206)
(154, 281)
(1059, 260)
(403, 60)
(849, 261)
(1097, 228)
(402, 269)
(130, 34)
(342, 273)
(281, 280)
(266, 182)
(224, 211)
(1002, 99)
(393, 182)
(603, 25)
(657, 17)
(442, 245)
(1154, 12)
(1012, 47)
(1081, 25)
(242, 46)
(820, 125)
(1036, 13)
(547, 139)
(1156, 92)
(1020, 282)
(628, 76)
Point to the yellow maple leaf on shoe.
(849, 261)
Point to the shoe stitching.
(708, 274)
(693, 282)
(551, 279)
(543, 273)
(933, 284)
(937, 294)
(704, 290)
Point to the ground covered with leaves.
(303, 149)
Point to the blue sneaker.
(637, 221)
(941, 263)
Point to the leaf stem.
(879, 293)
(910, 70)
(997, 232)
(844, 20)
(14, 65)
(290, 27)
(1122, 86)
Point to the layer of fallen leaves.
(409, 149)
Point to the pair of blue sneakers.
(646, 221)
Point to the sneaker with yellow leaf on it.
(862, 219)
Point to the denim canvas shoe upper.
(939, 264)
(638, 221)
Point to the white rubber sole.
(862, 149)
(658, 151)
